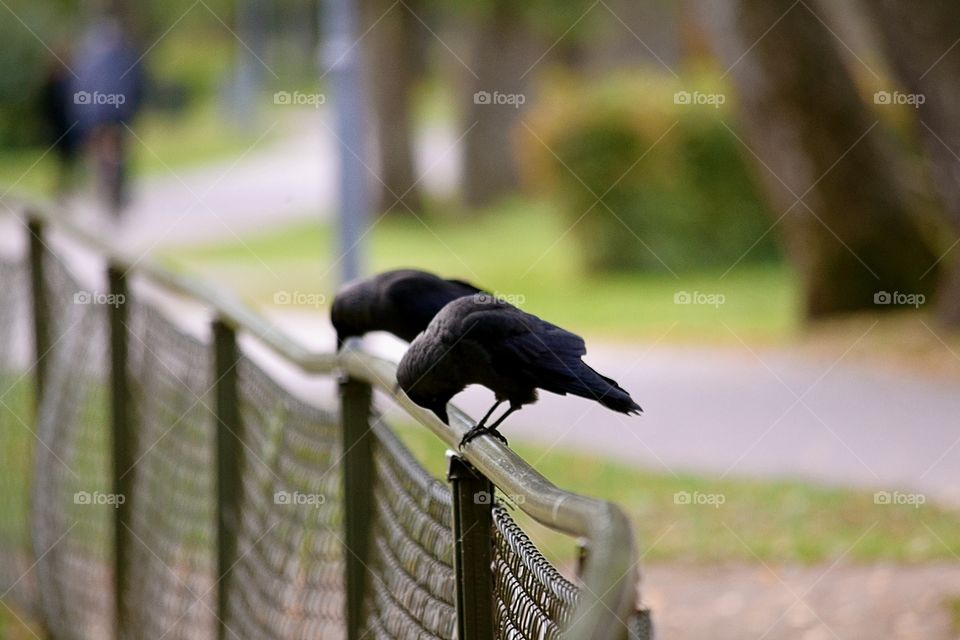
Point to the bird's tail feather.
(587, 383)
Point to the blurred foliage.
(573, 21)
(17, 625)
(31, 33)
(192, 64)
(518, 248)
(647, 183)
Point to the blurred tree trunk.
(919, 39)
(502, 55)
(806, 123)
(395, 63)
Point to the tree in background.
(920, 39)
(395, 63)
(503, 51)
(825, 166)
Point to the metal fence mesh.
(533, 600)
(289, 580)
(172, 501)
(411, 591)
(71, 517)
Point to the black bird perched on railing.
(483, 340)
(403, 302)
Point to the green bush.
(650, 184)
(24, 60)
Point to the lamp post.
(343, 59)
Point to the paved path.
(735, 412)
(802, 603)
(275, 182)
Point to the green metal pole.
(124, 448)
(41, 308)
(228, 468)
(358, 471)
(473, 550)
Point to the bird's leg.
(492, 429)
(479, 428)
(484, 419)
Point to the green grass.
(15, 625)
(16, 447)
(522, 250)
(88, 461)
(769, 521)
(16, 454)
(953, 606)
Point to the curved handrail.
(609, 591)
(608, 587)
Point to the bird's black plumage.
(403, 302)
(482, 340)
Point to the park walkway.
(733, 412)
(271, 184)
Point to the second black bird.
(482, 340)
(402, 301)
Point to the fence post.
(583, 554)
(641, 625)
(473, 549)
(228, 466)
(41, 309)
(358, 470)
(122, 434)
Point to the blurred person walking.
(107, 93)
(62, 133)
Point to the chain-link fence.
(411, 592)
(71, 511)
(288, 582)
(178, 467)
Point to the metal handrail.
(608, 597)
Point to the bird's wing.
(523, 347)
(465, 287)
(426, 294)
(521, 341)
